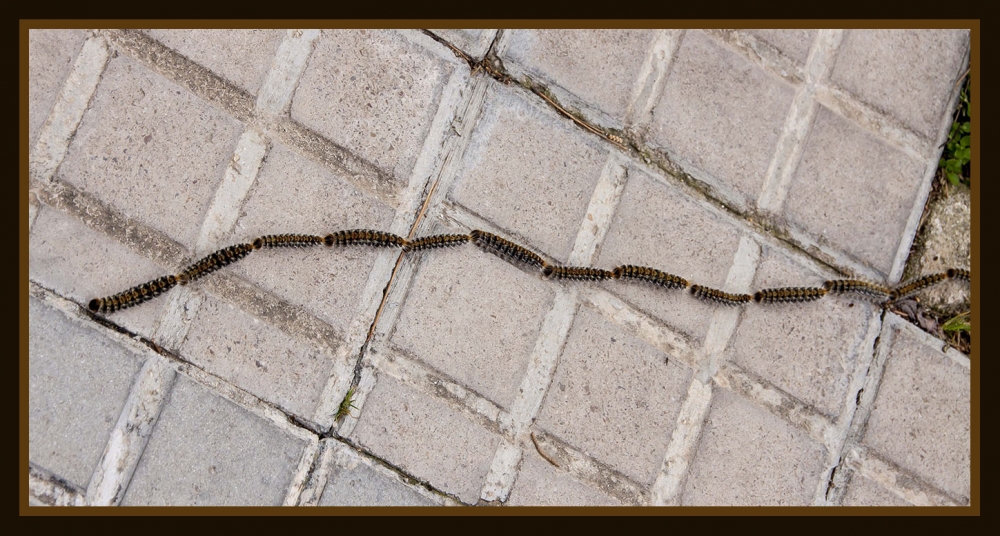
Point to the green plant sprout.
(957, 151)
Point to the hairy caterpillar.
(366, 237)
(958, 273)
(133, 296)
(725, 298)
(855, 286)
(287, 240)
(505, 248)
(436, 241)
(213, 262)
(576, 272)
(649, 275)
(788, 295)
(916, 286)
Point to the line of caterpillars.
(518, 254)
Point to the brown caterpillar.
(788, 295)
(576, 272)
(855, 286)
(436, 241)
(287, 240)
(133, 296)
(365, 237)
(213, 262)
(725, 298)
(505, 248)
(958, 273)
(649, 275)
(916, 286)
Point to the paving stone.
(81, 264)
(78, 381)
(793, 43)
(361, 485)
(809, 350)
(530, 172)
(257, 357)
(540, 484)
(51, 54)
(747, 456)
(151, 149)
(206, 451)
(852, 191)
(327, 282)
(474, 317)
(908, 73)
(473, 42)
(614, 397)
(374, 93)
(425, 437)
(921, 416)
(659, 227)
(864, 492)
(240, 56)
(721, 113)
(571, 58)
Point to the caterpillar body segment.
(650, 275)
(213, 262)
(364, 237)
(287, 240)
(959, 273)
(917, 285)
(788, 295)
(718, 296)
(505, 248)
(577, 272)
(436, 241)
(865, 289)
(133, 296)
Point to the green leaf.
(958, 323)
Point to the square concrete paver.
(864, 492)
(541, 484)
(360, 484)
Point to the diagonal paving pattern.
(739, 159)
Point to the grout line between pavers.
(307, 463)
(48, 489)
(342, 456)
(313, 488)
(866, 463)
(68, 110)
(761, 53)
(652, 77)
(275, 94)
(681, 450)
(597, 474)
(127, 441)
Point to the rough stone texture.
(206, 451)
(908, 73)
(529, 172)
(142, 129)
(51, 54)
(372, 92)
(240, 56)
(864, 492)
(473, 42)
(541, 484)
(721, 113)
(921, 419)
(427, 438)
(361, 485)
(570, 58)
(946, 243)
(615, 397)
(808, 350)
(747, 456)
(657, 226)
(327, 282)
(78, 381)
(258, 357)
(793, 43)
(81, 264)
(475, 318)
(853, 191)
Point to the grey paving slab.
(570, 59)
(722, 114)
(427, 438)
(909, 73)
(475, 318)
(748, 456)
(373, 92)
(361, 485)
(655, 225)
(541, 484)
(81, 264)
(921, 417)
(51, 54)
(793, 43)
(473, 42)
(614, 396)
(327, 282)
(241, 56)
(529, 171)
(78, 381)
(864, 492)
(853, 191)
(206, 451)
(142, 129)
(809, 351)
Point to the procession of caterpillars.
(519, 254)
